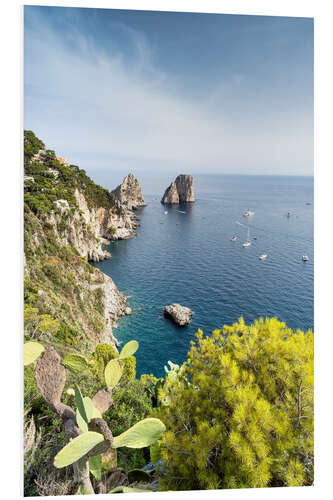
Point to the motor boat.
(165, 212)
(233, 238)
(305, 258)
(248, 242)
(263, 256)
(289, 214)
(248, 213)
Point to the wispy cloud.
(91, 103)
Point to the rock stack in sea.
(179, 191)
(129, 193)
(179, 314)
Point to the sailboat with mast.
(247, 243)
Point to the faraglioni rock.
(129, 193)
(179, 191)
(180, 314)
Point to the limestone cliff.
(67, 221)
(129, 193)
(89, 229)
(60, 283)
(180, 191)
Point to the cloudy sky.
(143, 91)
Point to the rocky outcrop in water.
(129, 193)
(179, 314)
(179, 191)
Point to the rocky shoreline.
(91, 229)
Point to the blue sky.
(119, 91)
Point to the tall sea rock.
(129, 193)
(180, 191)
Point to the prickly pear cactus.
(77, 448)
(76, 363)
(102, 400)
(129, 349)
(50, 376)
(32, 351)
(142, 434)
(113, 372)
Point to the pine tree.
(240, 412)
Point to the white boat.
(248, 213)
(248, 242)
(263, 256)
(166, 212)
(233, 238)
(305, 258)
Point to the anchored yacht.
(263, 256)
(248, 242)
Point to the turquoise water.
(189, 258)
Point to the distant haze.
(118, 91)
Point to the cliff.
(129, 193)
(67, 221)
(89, 229)
(180, 191)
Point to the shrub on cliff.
(240, 412)
(31, 145)
(131, 404)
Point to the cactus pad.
(95, 466)
(129, 349)
(76, 363)
(32, 351)
(142, 434)
(127, 489)
(77, 448)
(50, 376)
(102, 400)
(113, 372)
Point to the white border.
(11, 228)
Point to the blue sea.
(189, 258)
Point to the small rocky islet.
(181, 315)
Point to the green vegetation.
(239, 413)
(31, 145)
(54, 180)
(91, 437)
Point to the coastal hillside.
(68, 219)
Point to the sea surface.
(189, 258)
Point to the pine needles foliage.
(240, 412)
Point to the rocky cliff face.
(88, 230)
(114, 306)
(68, 219)
(129, 193)
(60, 283)
(180, 191)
